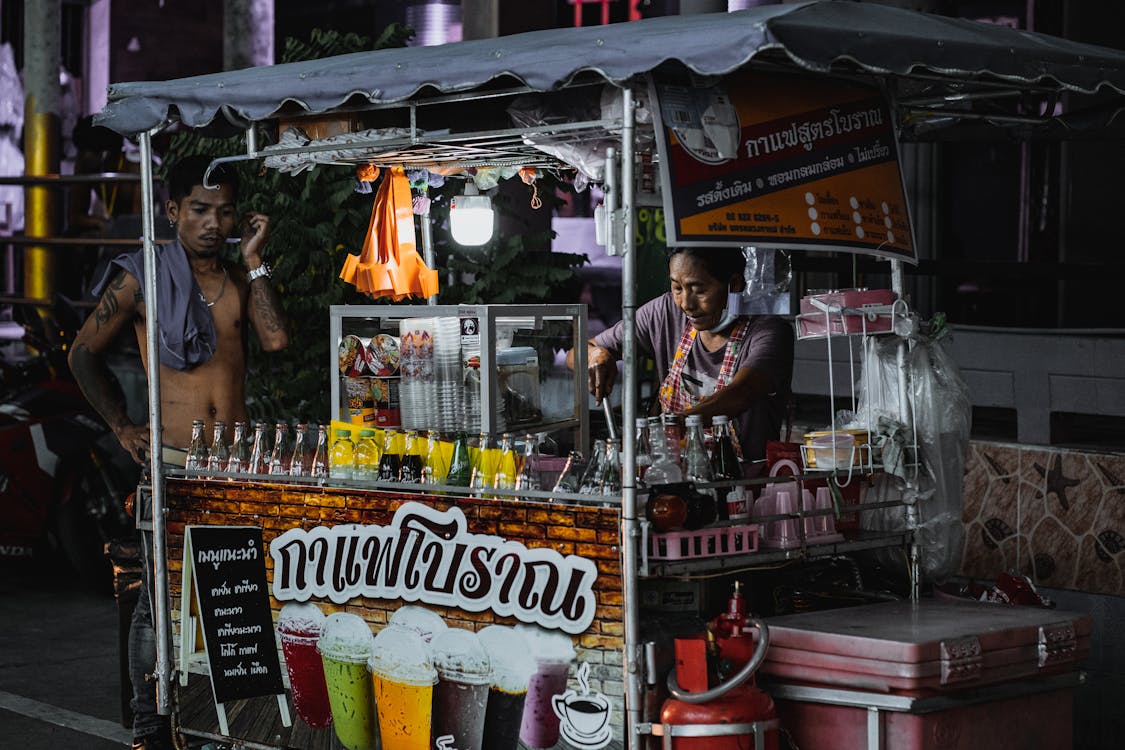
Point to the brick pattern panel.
(589, 532)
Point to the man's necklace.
(219, 296)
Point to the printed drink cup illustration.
(512, 667)
(300, 626)
(461, 692)
(424, 622)
(553, 653)
(345, 647)
(403, 677)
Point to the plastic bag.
(939, 402)
(768, 278)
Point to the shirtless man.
(214, 389)
(202, 370)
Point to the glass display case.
(478, 368)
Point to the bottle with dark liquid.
(411, 467)
(733, 502)
(390, 465)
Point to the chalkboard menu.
(228, 572)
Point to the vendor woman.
(708, 361)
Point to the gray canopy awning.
(818, 36)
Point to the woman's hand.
(602, 368)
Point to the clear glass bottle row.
(297, 454)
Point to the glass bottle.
(732, 501)
(530, 477)
(239, 450)
(366, 465)
(571, 477)
(484, 467)
(664, 468)
(390, 463)
(300, 463)
(434, 468)
(259, 450)
(319, 466)
(697, 464)
(610, 476)
(197, 449)
(505, 477)
(460, 463)
(219, 454)
(673, 434)
(341, 461)
(411, 468)
(282, 449)
(591, 478)
(644, 447)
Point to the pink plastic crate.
(687, 545)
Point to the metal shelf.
(856, 542)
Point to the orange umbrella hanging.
(388, 264)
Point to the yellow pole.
(41, 157)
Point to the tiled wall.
(1055, 515)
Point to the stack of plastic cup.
(512, 668)
(448, 374)
(300, 626)
(403, 677)
(425, 622)
(553, 653)
(417, 388)
(461, 693)
(345, 648)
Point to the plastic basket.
(715, 542)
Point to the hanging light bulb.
(470, 217)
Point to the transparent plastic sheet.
(769, 275)
(942, 417)
(11, 126)
(587, 155)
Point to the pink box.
(1003, 675)
(714, 542)
(850, 311)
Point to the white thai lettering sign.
(428, 555)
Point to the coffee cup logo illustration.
(584, 716)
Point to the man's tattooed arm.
(99, 386)
(264, 309)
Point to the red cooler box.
(932, 675)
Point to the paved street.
(58, 665)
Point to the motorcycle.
(63, 475)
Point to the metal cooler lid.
(914, 632)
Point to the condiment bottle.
(529, 477)
(259, 451)
(301, 461)
(341, 461)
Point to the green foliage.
(316, 220)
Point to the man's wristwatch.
(262, 270)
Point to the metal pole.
(907, 418)
(156, 468)
(428, 250)
(42, 60)
(630, 529)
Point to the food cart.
(551, 562)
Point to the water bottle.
(529, 477)
(319, 466)
(197, 449)
(282, 450)
(219, 454)
(239, 451)
(260, 451)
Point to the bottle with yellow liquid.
(506, 464)
(484, 466)
(341, 460)
(367, 456)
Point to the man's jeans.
(142, 651)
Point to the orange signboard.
(778, 160)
